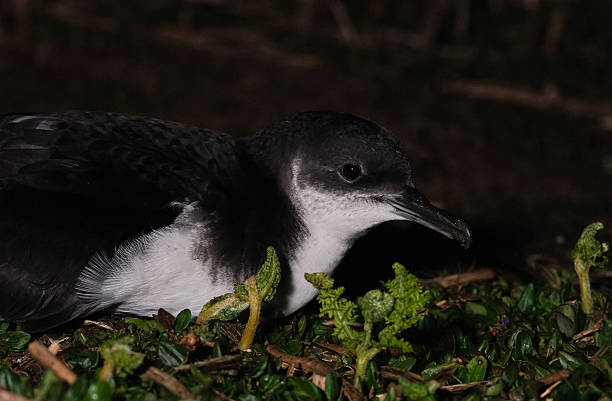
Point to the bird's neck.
(318, 250)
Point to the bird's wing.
(129, 161)
(76, 183)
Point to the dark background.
(502, 104)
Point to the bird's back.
(77, 184)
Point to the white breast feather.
(157, 270)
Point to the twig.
(556, 23)
(313, 365)
(221, 395)
(553, 377)
(308, 365)
(462, 278)
(348, 33)
(460, 300)
(588, 331)
(99, 324)
(548, 99)
(329, 347)
(331, 323)
(54, 347)
(48, 360)
(601, 352)
(459, 388)
(170, 383)
(212, 364)
(394, 373)
(550, 389)
(6, 395)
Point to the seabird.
(106, 211)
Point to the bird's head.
(349, 174)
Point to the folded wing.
(75, 183)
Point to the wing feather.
(76, 183)
(133, 161)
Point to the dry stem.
(48, 360)
(462, 278)
(221, 362)
(313, 365)
(172, 384)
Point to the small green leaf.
(304, 389)
(154, 325)
(301, 327)
(472, 397)
(216, 352)
(139, 323)
(80, 338)
(332, 387)
(172, 354)
(520, 344)
(260, 367)
(50, 387)
(99, 391)
(510, 374)
(271, 385)
(370, 377)
(10, 381)
(268, 276)
(495, 389)
(182, 320)
(477, 368)
(83, 359)
(554, 342)
(474, 308)
(77, 391)
(569, 361)
(293, 347)
(434, 370)
(415, 391)
(17, 340)
(565, 317)
(527, 299)
(403, 362)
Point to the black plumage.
(77, 184)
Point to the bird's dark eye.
(350, 172)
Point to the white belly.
(157, 270)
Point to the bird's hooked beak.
(413, 206)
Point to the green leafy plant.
(588, 252)
(12, 341)
(119, 359)
(256, 289)
(386, 314)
